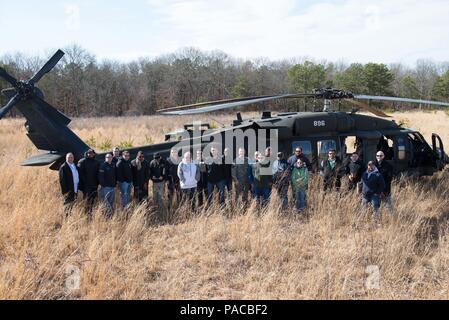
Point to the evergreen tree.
(378, 79)
(306, 77)
(441, 87)
(352, 79)
(409, 87)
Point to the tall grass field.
(334, 252)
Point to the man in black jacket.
(68, 180)
(331, 170)
(174, 189)
(157, 176)
(354, 169)
(88, 170)
(241, 172)
(141, 176)
(201, 188)
(296, 156)
(108, 181)
(124, 178)
(386, 170)
(215, 175)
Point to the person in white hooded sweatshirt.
(189, 175)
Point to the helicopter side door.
(369, 149)
(438, 149)
(397, 150)
(364, 143)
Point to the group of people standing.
(196, 178)
(373, 182)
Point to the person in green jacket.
(300, 181)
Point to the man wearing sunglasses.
(386, 170)
(296, 156)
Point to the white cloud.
(362, 30)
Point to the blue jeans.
(263, 193)
(373, 199)
(107, 196)
(300, 199)
(210, 189)
(125, 193)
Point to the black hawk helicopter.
(315, 132)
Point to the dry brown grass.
(219, 253)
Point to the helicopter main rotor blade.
(396, 99)
(5, 75)
(9, 105)
(211, 102)
(229, 105)
(366, 107)
(47, 67)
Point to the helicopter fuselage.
(316, 133)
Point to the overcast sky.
(349, 30)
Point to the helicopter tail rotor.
(46, 126)
(25, 90)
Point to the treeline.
(80, 85)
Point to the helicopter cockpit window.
(401, 149)
(306, 148)
(323, 148)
